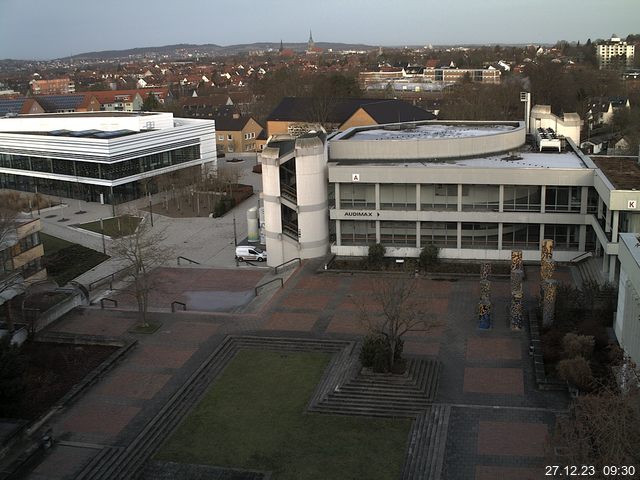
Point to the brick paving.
(104, 419)
(132, 384)
(480, 368)
(494, 349)
(512, 438)
(494, 381)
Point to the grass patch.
(65, 261)
(150, 328)
(253, 418)
(115, 227)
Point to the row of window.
(445, 234)
(474, 197)
(105, 171)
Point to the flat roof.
(86, 114)
(431, 131)
(622, 172)
(561, 160)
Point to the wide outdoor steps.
(590, 271)
(126, 463)
(427, 441)
(383, 395)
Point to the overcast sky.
(45, 29)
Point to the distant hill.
(185, 49)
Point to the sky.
(47, 29)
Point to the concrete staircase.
(590, 271)
(381, 395)
(427, 441)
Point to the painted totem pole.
(517, 275)
(484, 306)
(548, 286)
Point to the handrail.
(174, 303)
(267, 283)
(580, 257)
(111, 278)
(297, 259)
(187, 259)
(102, 300)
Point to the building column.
(500, 236)
(614, 227)
(377, 230)
(607, 221)
(501, 198)
(541, 236)
(582, 238)
(378, 201)
(459, 235)
(584, 200)
(459, 197)
(418, 207)
(600, 204)
(338, 233)
(605, 260)
(418, 235)
(337, 195)
(613, 260)
(543, 198)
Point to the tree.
(141, 253)
(150, 104)
(403, 309)
(11, 280)
(376, 254)
(428, 255)
(12, 385)
(601, 429)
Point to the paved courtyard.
(499, 422)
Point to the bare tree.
(403, 309)
(11, 280)
(141, 252)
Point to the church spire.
(311, 45)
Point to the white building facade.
(101, 156)
(615, 53)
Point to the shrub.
(376, 352)
(574, 345)
(576, 371)
(376, 255)
(12, 384)
(429, 255)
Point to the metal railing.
(275, 270)
(581, 257)
(187, 259)
(114, 302)
(174, 303)
(267, 283)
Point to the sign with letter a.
(355, 177)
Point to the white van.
(247, 252)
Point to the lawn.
(114, 227)
(65, 260)
(253, 417)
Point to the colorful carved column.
(484, 306)
(548, 286)
(517, 276)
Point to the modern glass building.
(102, 156)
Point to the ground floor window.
(398, 234)
(565, 237)
(520, 236)
(353, 232)
(440, 234)
(480, 235)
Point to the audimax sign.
(360, 213)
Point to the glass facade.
(520, 236)
(522, 198)
(358, 196)
(102, 170)
(353, 232)
(398, 234)
(440, 234)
